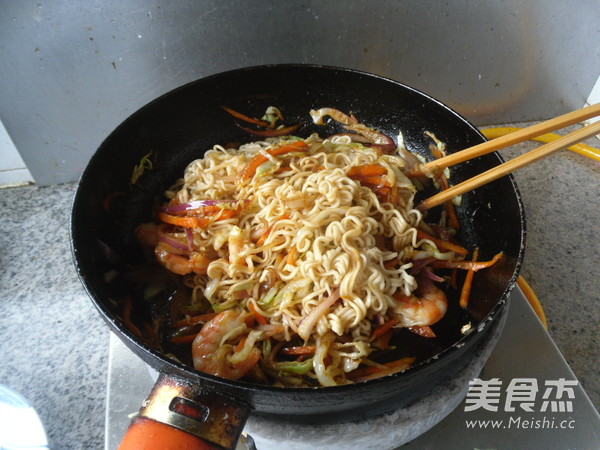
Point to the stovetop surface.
(530, 397)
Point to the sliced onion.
(354, 137)
(270, 329)
(432, 276)
(241, 291)
(385, 149)
(379, 140)
(189, 234)
(267, 280)
(441, 231)
(376, 139)
(418, 264)
(413, 163)
(308, 323)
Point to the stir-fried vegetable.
(229, 334)
(250, 169)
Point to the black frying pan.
(179, 126)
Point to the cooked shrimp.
(425, 309)
(212, 353)
(181, 264)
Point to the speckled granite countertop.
(55, 346)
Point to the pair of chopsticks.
(516, 163)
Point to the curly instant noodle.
(307, 254)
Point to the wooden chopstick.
(510, 166)
(513, 138)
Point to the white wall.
(12, 168)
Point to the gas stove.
(524, 396)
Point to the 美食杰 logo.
(519, 396)
(556, 395)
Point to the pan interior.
(179, 126)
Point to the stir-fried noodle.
(306, 254)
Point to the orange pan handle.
(180, 414)
(147, 434)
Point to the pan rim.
(124, 333)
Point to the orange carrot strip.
(184, 221)
(382, 191)
(183, 339)
(383, 341)
(393, 195)
(207, 210)
(250, 320)
(465, 292)
(422, 330)
(453, 277)
(445, 245)
(383, 328)
(298, 146)
(257, 315)
(452, 215)
(227, 214)
(127, 307)
(232, 207)
(246, 118)
(195, 320)
(372, 176)
(369, 372)
(264, 237)
(240, 346)
(300, 350)
(292, 256)
(194, 221)
(450, 209)
(378, 181)
(467, 265)
(392, 263)
(250, 168)
(399, 362)
(109, 198)
(366, 170)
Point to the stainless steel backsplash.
(71, 71)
